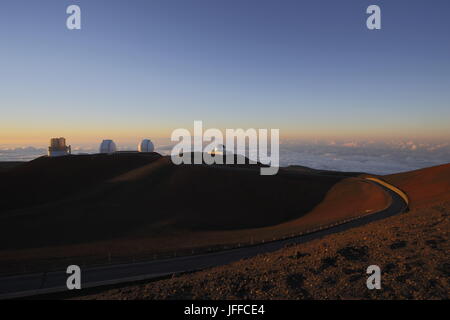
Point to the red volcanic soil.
(114, 208)
(410, 248)
(340, 204)
(423, 186)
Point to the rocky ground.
(411, 249)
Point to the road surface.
(52, 282)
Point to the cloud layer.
(365, 156)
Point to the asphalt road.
(52, 282)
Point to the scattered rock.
(445, 269)
(434, 243)
(328, 262)
(299, 255)
(354, 253)
(389, 268)
(404, 277)
(330, 281)
(355, 277)
(351, 271)
(295, 282)
(398, 244)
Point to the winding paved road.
(52, 282)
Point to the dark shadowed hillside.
(123, 205)
(46, 179)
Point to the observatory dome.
(219, 149)
(146, 146)
(58, 148)
(108, 146)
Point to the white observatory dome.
(108, 146)
(146, 146)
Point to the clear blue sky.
(141, 68)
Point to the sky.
(142, 68)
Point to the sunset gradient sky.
(144, 68)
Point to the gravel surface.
(411, 249)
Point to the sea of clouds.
(369, 156)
